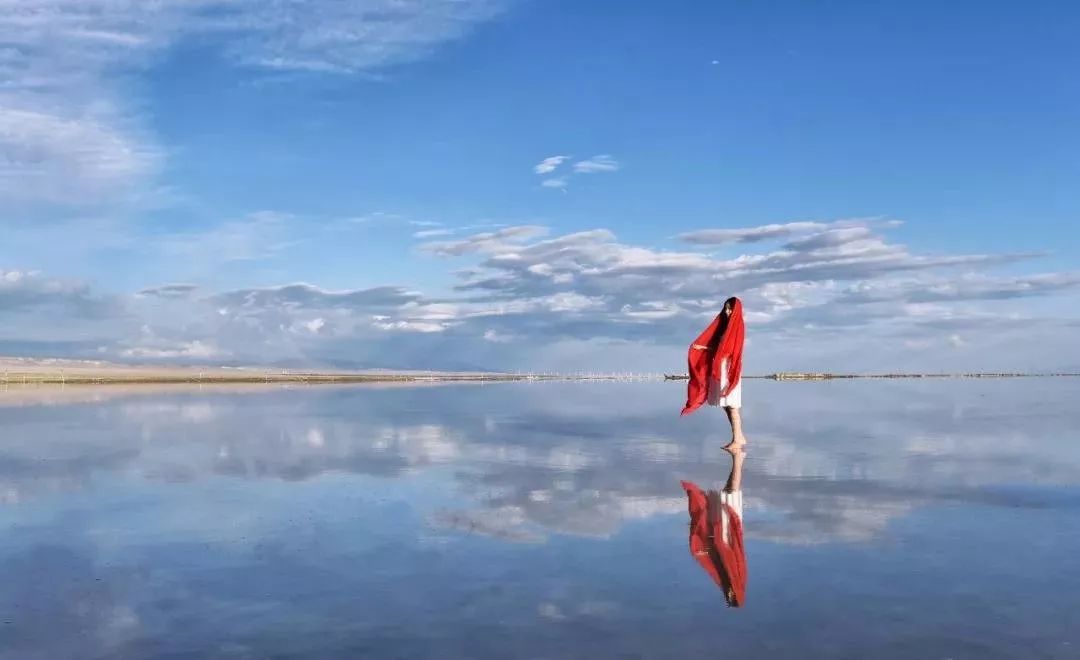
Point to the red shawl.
(707, 354)
(724, 562)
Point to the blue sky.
(364, 183)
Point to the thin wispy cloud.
(749, 234)
(486, 242)
(595, 165)
(432, 233)
(308, 296)
(259, 235)
(549, 164)
(601, 163)
(169, 291)
(69, 134)
(63, 160)
(789, 230)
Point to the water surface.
(930, 519)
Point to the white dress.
(720, 513)
(734, 500)
(733, 399)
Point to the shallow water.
(928, 519)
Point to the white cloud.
(750, 234)
(549, 164)
(170, 291)
(302, 296)
(601, 163)
(496, 337)
(345, 36)
(812, 483)
(432, 233)
(193, 349)
(584, 297)
(968, 287)
(33, 293)
(68, 159)
(587, 284)
(594, 165)
(411, 326)
(70, 131)
(501, 240)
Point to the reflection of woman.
(716, 532)
(715, 361)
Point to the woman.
(715, 360)
(716, 532)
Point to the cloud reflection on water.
(829, 462)
(228, 521)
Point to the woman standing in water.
(715, 360)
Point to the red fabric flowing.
(707, 354)
(725, 563)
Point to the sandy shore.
(26, 371)
(37, 394)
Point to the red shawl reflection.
(716, 539)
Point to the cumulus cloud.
(44, 316)
(32, 292)
(823, 288)
(588, 285)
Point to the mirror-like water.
(930, 519)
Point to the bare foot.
(736, 444)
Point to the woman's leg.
(737, 437)
(734, 482)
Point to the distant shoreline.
(213, 378)
(15, 371)
(136, 376)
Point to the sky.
(549, 185)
